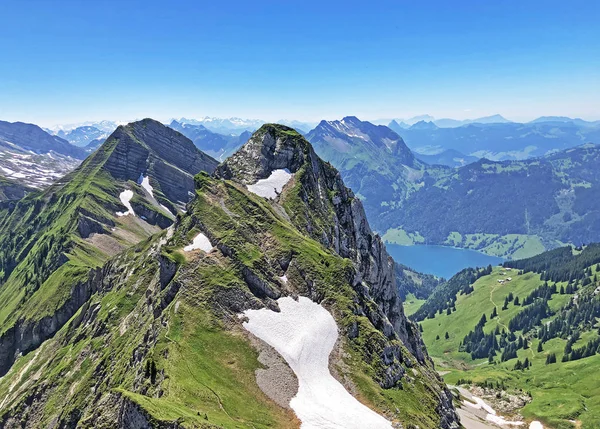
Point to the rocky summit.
(160, 339)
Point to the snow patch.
(125, 198)
(535, 425)
(201, 242)
(283, 278)
(145, 182)
(304, 334)
(480, 404)
(500, 421)
(272, 185)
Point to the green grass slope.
(564, 394)
(51, 240)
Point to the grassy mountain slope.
(160, 343)
(564, 394)
(51, 240)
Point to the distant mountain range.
(493, 119)
(83, 136)
(30, 157)
(216, 145)
(508, 208)
(238, 125)
(104, 125)
(499, 141)
(370, 157)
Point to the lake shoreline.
(440, 260)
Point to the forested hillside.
(529, 325)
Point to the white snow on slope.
(272, 185)
(145, 182)
(535, 425)
(491, 416)
(304, 334)
(201, 242)
(125, 197)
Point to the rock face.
(330, 213)
(12, 190)
(149, 148)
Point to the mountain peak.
(149, 147)
(351, 119)
(424, 125)
(271, 147)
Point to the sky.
(72, 61)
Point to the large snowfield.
(304, 334)
(272, 185)
(201, 242)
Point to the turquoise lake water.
(442, 261)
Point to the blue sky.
(71, 61)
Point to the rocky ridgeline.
(333, 216)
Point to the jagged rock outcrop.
(345, 228)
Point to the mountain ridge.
(161, 304)
(66, 231)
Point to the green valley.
(558, 351)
